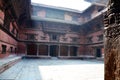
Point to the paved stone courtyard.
(49, 69)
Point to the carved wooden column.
(78, 52)
(37, 50)
(48, 50)
(59, 51)
(69, 50)
(112, 41)
(26, 50)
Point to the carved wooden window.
(54, 37)
(16, 33)
(74, 39)
(4, 49)
(64, 39)
(112, 20)
(13, 30)
(43, 38)
(31, 37)
(89, 40)
(100, 37)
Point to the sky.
(80, 5)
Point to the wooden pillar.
(26, 50)
(112, 41)
(37, 49)
(78, 51)
(48, 50)
(59, 51)
(69, 51)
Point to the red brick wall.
(91, 49)
(21, 48)
(81, 50)
(5, 39)
(95, 36)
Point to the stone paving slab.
(41, 69)
(8, 59)
(8, 62)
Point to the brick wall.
(21, 48)
(95, 35)
(9, 42)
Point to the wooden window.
(43, 38)
(89, 40)
(64, 39)
(100, 37)
(31, 37)
(54, 37)
(74, 39)
(13, 30)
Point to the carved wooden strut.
(112, 41)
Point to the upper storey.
(102, 2)
(92, 12)
(42, 12)
(12, 14)
(49, 13)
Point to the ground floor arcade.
(63, 50)
(53, 50)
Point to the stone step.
(8, 62)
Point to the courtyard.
(55, 69)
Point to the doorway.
(11, 49)
(54, 50)
(98, 52)
(31, 49)
(73, 51)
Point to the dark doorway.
(54, 50)
(73, 51)
(64, 51)
(11, 49)
(31, 49)
(15, 50)
(98, 52)
(43, 50)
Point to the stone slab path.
(47, 69)
(8, 59)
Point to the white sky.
(72, 4)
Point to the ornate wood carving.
(112, 41)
